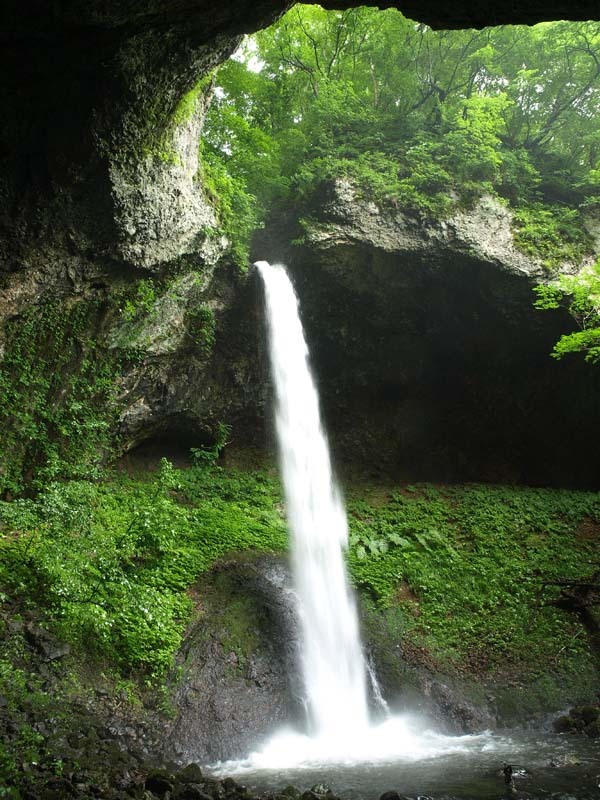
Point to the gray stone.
(220, 713)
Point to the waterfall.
(333, 666)
(332, 661)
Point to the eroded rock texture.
(239, 663)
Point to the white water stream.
(333, 666)
(332, 662)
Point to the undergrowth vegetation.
(473, 567)
(58, 390)
(470, 569)
(111, 562)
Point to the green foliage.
(141, 301)
(469, 566)
(22, 692)
(417, 118)
(207, 456)
(58, 388)
(237, 209)
(201, 326)
(110, 564)
(580, 294)
(554, 233)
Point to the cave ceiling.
(38, 18)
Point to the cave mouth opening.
(174, 439)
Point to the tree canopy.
(409, 113)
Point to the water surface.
(553, 767)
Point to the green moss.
(188, 104)
(551, 691)
(150, 315)
(141, 300)
(201, 326)
(23, 694)
(160, 121)
(238, 617)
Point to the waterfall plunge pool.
(428, 766)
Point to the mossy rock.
(190, 791)
(588, 714)
(190, 774)
(160, 782)
(233, 788)
(290, 791)
(564, 724)
(593, 729)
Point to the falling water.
(333, 665)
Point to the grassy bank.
(466, 571)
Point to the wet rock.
(564, 761)
(580, 719)
(190, 774)
(45, 643)
(233, 788)
(318, 792)
(220, 712)
(587, 713)
(213, 788)
(564, 724)
(160, 782)
(190, 791)
(58, 789)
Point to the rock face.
(200, 366)
(432, 362)
(239, 678)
